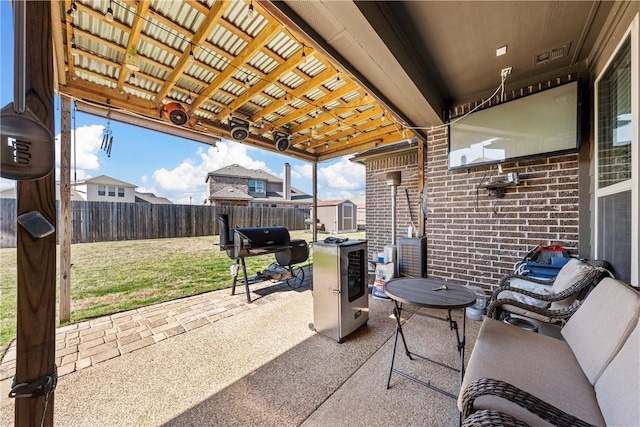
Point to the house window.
(617, 181)
(256, 186)
(614, 120)
(120, 191)
(102, 190)
(112, 191)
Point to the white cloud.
(229, 153)
(302, 171)
(185, 183)
(89, 140)
(331, 194)
(341, 180)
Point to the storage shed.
(338, 216)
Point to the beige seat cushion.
(571, 273)
(538, 364)
(618, 388)
(601, 325)
(526, 299)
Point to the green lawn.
(109, 277)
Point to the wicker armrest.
(490, 418)
(561, 315)
(597, 273)
(504, 390)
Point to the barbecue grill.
(241, 243)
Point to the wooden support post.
(36, 258)
(64, 223)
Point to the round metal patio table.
(434, 294)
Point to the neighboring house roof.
(105, 180)
(230, 193)
(237, 171)
(242, 172)
(333, 202)
(10, 193)
(151, 198)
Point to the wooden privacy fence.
(106, 221)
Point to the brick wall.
(378, 200)
(474, 237)
(218, 183)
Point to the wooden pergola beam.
(134, 35)
(328, 97)
(316, 81)
(335, 127)
(203, 32)
(291, 63)
(280, 93)
(266, 34)
(326, 115)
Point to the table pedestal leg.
(397, 313)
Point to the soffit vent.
(552, 54)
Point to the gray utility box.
(412, 257)
(340, 290)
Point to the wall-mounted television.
(543, 124)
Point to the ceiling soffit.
(450, 47)
(426, 57)
(346, 34)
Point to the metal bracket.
(42, 386)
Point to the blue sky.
(169, 166)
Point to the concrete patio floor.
(213, 359)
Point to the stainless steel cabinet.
(340, 291)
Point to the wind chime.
(107, 136)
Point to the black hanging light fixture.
(73, 11)
(109, 15)
(192, 57)
(74, 48)
(250, 12)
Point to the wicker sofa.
(591, 377)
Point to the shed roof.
(333, 202)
